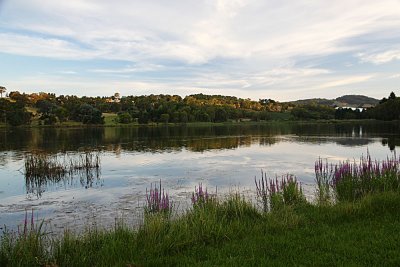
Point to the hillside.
(318, 101)
(343, 101)
(357, 100)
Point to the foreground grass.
(232, 233)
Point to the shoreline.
(75, 125)
(227, 232)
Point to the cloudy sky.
(279, 49)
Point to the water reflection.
(156, 139)
(43, 170)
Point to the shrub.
(124, 117)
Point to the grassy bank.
(232, 233)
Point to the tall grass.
(350, 181)
(276, 193)
(323, 176)
(28, 246)
(41, 169)
(201, 198)
(228, 232)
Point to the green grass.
(110, 119)
(233, 233)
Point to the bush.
(90, 115)
(124, 117)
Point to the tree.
(48, 111)
(124, 117)
(2, 90)
(17, 96)
(164, 118)
(15, 113)
(90, 115)
(392, 95)
(220, 115)
(313, 112)
(389, 110)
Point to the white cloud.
(241, 29)
(42, 47)
(67, 72)
(346, 81)
(380, 58)
(244, 46)
(131, 69)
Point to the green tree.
(124, 117)
(221, 115)
(16, 114)
(183, 117)
(389, 110)
(164, 118)
(90, 115)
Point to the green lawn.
(110, 119)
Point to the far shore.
(112, 123)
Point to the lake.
(226, 158)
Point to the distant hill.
(318, 101)
(357, 100)
(343, 101)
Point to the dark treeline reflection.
(194, 138)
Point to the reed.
(351, 180)
(41, 169)
(276, 193)
(323, 175)
(201, 197)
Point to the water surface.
(223, 157)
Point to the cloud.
(346, 81)
(380, 58)
(130, 69)
(138, 30)
(67, 72)
(43, 47)
(234, 46)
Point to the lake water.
(223, 157)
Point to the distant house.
(352, 108)
(367, 106)
(116, 98)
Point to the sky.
(278, 49)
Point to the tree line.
(387, 109)
(20, 108)
(52, 109)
